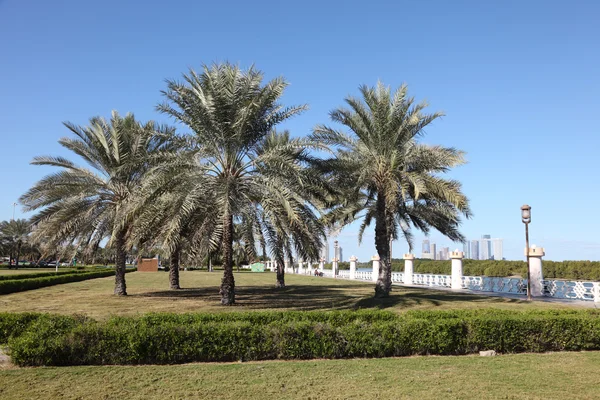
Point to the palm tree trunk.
(174, 269)
(121, 254)
(18, 254)
(280, 272)
(228, 283)
(382, 244)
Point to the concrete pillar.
(457, 270)
(596, 291)
(409, 260)
(375, 260)
(535, 268)
(300, 267)
(334, 266)
(353, 261)
(321, 264)
(286, 266)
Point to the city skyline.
(486, 248)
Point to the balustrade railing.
(579, 290)
(561, 289)
(363, 275)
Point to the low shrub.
(20, 285)
(179, 338)
(37, 275)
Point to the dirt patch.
(4, 359)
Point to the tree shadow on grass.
(408, 298)
(336, 297)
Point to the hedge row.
(20, 285)
(169, 339)
(38, 275)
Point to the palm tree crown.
(86, 206)
(231, 112)
(384, 171)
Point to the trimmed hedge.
(20, 285)
(180, 338)
(38, 275)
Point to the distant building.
(433, 252)
(425, 248)
(325, 251)
(485, 247)
(466, 250)
(340, 255)
(445, 253)
(475, 249)
(498, 251)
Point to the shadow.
(337, 296)
(410, 297)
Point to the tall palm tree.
(384, 171)
(230, 111)
(86, 206)
(289, 223)
(15, 234)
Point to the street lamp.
(14, 205)
(526, 218)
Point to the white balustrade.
(344, 274)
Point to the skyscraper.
(498, 249)
(433, 253)
(325, 251)
(485, 247)
(466, 250)
(340, 255)
(475, 249)
(445, 253)
(426, 249)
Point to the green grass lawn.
(254, 291)
(521, 376)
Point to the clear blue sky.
(518, 81)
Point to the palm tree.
(86, 206)
(383, 170)
(15, 234)
(230, 111)
(289, 222)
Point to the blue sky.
(518, 81)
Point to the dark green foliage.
(179, 338)
(20, 285)
(575, 270)
(37, 275)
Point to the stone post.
(535, 268)
(300, 267)
(375, 276)
(286, 266)
(353, 261)
(596, 291)
(321, 264)
(334, 266)
(457, 270)
(409, 260)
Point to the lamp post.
(14, 205)
(526, 218)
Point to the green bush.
(179, 338)
(20, 285)
(36, 275)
